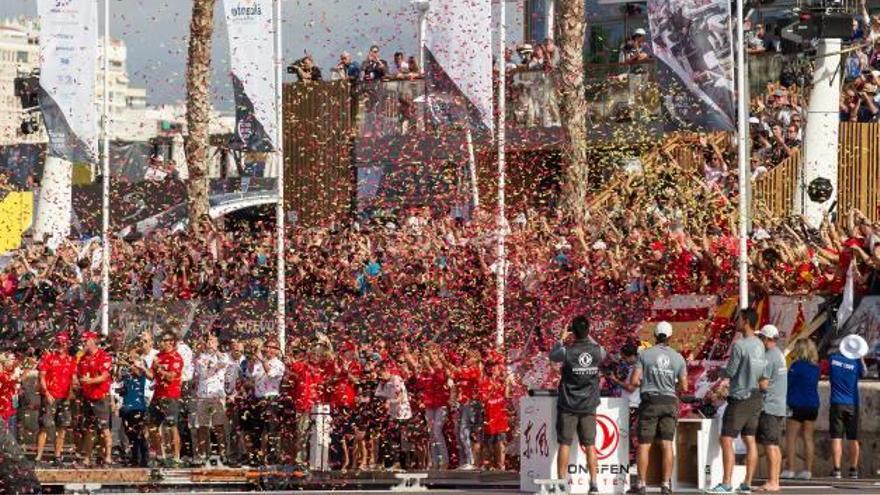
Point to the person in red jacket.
(342, 396)
(470, 418)
(167, 371)
(495, 390)
(57, 369)
(93, 375)
(9, 383)
(304, 381)
(433, 382)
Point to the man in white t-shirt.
(265, 369)
(209, 405)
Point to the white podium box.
(697, 450)
(539, 449)
(319, 438)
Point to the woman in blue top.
(803, 405)
(134, 406)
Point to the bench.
(410, 482)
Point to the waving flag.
(68, 56)
(250, 27)
(458, 62)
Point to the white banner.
(539, 449)
(459, 40)
(68, 57)
(251, 46)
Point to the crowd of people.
(252, 404)
(860, 101)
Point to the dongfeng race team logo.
(663, 362)
(585, 360)
(607, 437)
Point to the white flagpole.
(279, 160)
(105, 179)
(472, 165)
(501, 270)
(742, 159)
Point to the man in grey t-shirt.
(660, 372)
(744, 402)
(775, 387)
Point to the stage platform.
(270, 478)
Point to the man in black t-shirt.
(578, 395)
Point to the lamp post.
(422, 7)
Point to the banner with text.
(68, 57)
(250, 27)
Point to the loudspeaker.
(836, 25)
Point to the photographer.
(133, 413)
(305, 69)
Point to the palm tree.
(198, 108)
(571, 22)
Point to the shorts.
(741, 416)
(208, 412)
(843, 422)
(802, 414)
(770, 429)
(164, 412)
(57, 414)
(500, 438)
(96, 413)
(567, 424)
(658, 418)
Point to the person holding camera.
(578, 396)
(133, 412)
(659, 372)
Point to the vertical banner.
(68, 56)
(249, 23)
(459, 62)
(692, 40)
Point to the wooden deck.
(266, 478)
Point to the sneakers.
(637, 490)
(720, 488)
(466, 467)
(803, 475)
(835, 473)
(853, 473)
(744, 488)
(665, 490)
(593, 488)
(787, 474)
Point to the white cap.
(663, 328)
(853, 346)
(639, 32)
(768, 331)
(599, 245)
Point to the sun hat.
(853, 346)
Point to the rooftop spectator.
(374, 68)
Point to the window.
(21, 57)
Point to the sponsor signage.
(538, 446)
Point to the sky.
(155, 32)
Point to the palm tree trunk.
(198, 108)
(571, 22)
